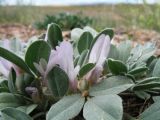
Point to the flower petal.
(74, 82)
(39, 68)
(53, 60)
(4, 70)
(5, 67)
(63, 56)
(104, 50)
(94, 75)
(98, 55)
(100, 50)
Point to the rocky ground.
(136, 35)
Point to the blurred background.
(131, 19)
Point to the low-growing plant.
(66, 21)
(150, 18)
(82, 78)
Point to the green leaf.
(3, 89)
(107, 31)
(124, 49)
(76, 33)
(137, 70)
(14, 114)
(9, 100)
(113, 53)
(146, 86)
(54, 35)
(156, 70)
(58, 82)
(36, 51)
(23, 81)
(14, 59)
(28, 79)
(111, 85)
(67, 108)
(27, 109)
(141, 54)
(76, 60)
(4, 86)
(142, 94)
(152, 113)
(20, 83)
(146, 54)
(151, 67)
(108, 107)
(117, 67)
(91, 30)
(156, 98)
(148, 80)
(84, 41)
(11, 81)
(83, 58)
(85, 69)
(105, 68)
(126, 116)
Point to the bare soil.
(136, 35)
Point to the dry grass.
(104, 15)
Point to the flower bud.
(83, 85)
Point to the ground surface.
(136, 35)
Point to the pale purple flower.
(33, 92)
(62, 56)
(98, 55)
(41, 67)
(5, 64)
(5, 67)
